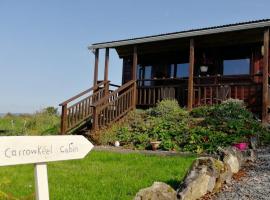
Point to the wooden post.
(41, 181)
(96, 67)
(191, 73)
(134, 70)
(64, 119)
(106, 70)
(265, 76)
(95, 119)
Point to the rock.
(226, 174)
(250, 155)
(196, 188)
(233, 162)
(158, 191)
(254, 142)
(200, 179)
(232, 157)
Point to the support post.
(95, 119)
(96, 67)
(134, 70)
(106, 70)
(265, 76)
(64, 119)
(191, 74)
(41, 181)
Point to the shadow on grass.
(173, 183)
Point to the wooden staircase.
(97, 107)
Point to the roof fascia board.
(179, 35)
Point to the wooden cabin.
(195, 67)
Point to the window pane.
(147, 75)
(182, 70)
(172, 71)
(236, 67)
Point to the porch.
(207, 90)
(201, 70)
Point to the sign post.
(39, 150)
(41, 180)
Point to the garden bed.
(202, 130)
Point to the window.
(182, 70)
(236, 67)
(172, 69)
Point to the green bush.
(169, 110)
(204, 129)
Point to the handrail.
(224, 84)
(83, 93)
(114, 85)
(113, 93)
(115, 105)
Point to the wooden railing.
(114, 106)
(216, 93)
(81, 109)
(152, 91)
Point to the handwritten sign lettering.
(38, 149)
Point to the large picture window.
(182, 70)
(236, 67)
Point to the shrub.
(169, 110)
(201, 111)
(219, 125)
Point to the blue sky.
(43, 44)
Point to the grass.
(40, 123)
(100, 176)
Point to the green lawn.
(101, 175)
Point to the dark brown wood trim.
(106, 69)
(64, 119)
(265, 76)
(96, 67)
(134, 70)
(191, 73)
(135, 62)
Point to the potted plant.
(240, 143)
(155, 142)
(204, 68)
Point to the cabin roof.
(184, 34)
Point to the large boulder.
(200, 179)
(158, 191)
(232, 157)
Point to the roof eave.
(179, 35)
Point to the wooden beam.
(191, 74)
(106, 69)
(134, 70)
(96, 67)
(135, 63)
(265, 76)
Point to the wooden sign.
(15, 150)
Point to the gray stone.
(200, 179)
(250, 155)
(196, 189)
(226, 174)
(254, 185)
(233, 162)
(231, 156)
(158, 191)
(254, 142)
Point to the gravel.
(254, 185)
